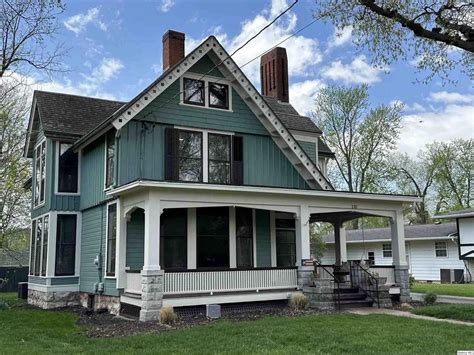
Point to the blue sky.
(115, 51)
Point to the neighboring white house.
(431, 250)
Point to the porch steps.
(352, 297)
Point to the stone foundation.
(305, 274)
(321, 294)
(384, 299)
(51, 300)
(402, 278)
(152, 295)
(96, 302)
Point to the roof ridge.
(81, 96)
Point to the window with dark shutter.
(171, 154)
(237, 160)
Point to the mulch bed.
(102, 324)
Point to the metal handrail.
(336, 295)
(363, 284)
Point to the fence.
(13, 275)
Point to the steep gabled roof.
(280, 133)
(417, 231)
(67, 116)
(323, 149)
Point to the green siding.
(37, 280)
(135, 240)
(93, 244)
(310, 149)
(92, 175)
(266, 165)
(262, 222)
(65, 281)
(204, 65)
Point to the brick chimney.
(173, 48)
(274, 74)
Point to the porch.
(185, 245)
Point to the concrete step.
(346, 289)
(344, 304)
(351, 296)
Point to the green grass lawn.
(463, 312)
(464, 290)
(24, 330)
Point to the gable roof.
(67, 116)
(418, 231)
(281, 135)
(323, 149)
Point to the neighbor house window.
(173, 239)
(285, 232)
(190, 155)
(371, 257)
(441, 249)
(109, 158)
(111, 238)
(212, 227)
(219, 96)
(40, 175)
(65, 263)
(219, 158)
(194, 92)
(67, 169)
(387, 250)
(244, 234)
(44, 249)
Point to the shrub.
(167, 315)
(406, 307)
(412, 281)
(430, 298)
(3, 305)
(298, 301)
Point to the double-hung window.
(111, 238)
(441, 249)
(190, 156)
(387, 250)
(219, 159)
(206, 92)
(109, 158)
(40, 174)
(68, 166)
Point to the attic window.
(218, 95)
(194, 92)
(206, 92)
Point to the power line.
(235, 51)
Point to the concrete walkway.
(393, 312)
(415, 296)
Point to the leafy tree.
(427, 30)
(414, 177)
(361, 138)
(317, 233)
(454, 173)
(25, 25)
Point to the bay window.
(39, 234)
(111, 238)
(40, 174)
(44, 249)
(39, 245)
(65, 263)
(173, 239)
(67, 169)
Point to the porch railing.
(362, 278)
(188, 282)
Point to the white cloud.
(450, 97)
(303, 94)
(107, 70)
(166, 5)
(78, 23)
(356, 72)
(340, 37)
(303, 52)
(448, 123)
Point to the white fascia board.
(280, 134)
(261, 190)
(455, 215)
(389, 240)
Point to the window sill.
(67, 193)
(39, 206)
(207, 107)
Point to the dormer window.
(208, 92)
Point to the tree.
(427, 30)
(414, 177)
(317, 233)
(361, 138)
(454, 173)
(25, 25)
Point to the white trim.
(54, 288)
(40, 204)
(389, 240)
(207, 79)
(232, 238)
(280, 135)
(114, 202)
(254, 237)
(78, 241)
(192, 238)
(56, 171)
(273, 239)
(268, 190)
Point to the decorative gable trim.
(280, 134)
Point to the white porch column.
(303, 248)
(399, 255)
(152, 276)
(343, 244)
(192, 238)
(232, 239)
(121, 250)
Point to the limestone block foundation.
(54, 299)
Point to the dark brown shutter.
(171, 154)
(237, 160)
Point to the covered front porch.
(197, 244)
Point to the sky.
(115, 52)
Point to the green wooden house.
(199, 190)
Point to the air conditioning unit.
(450, 276)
